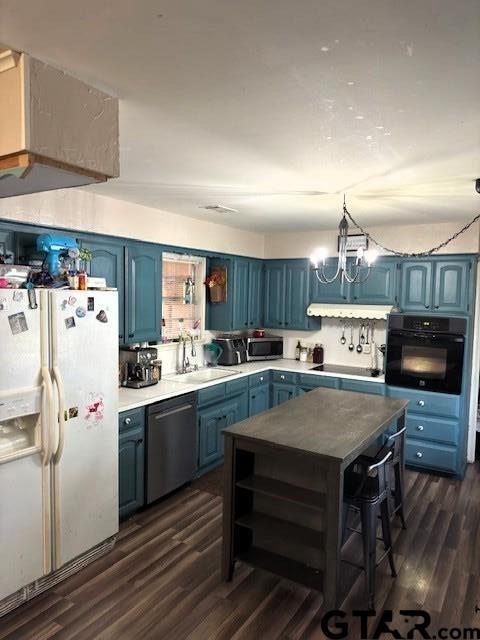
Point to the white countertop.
(133, 398)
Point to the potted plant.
(216, 282)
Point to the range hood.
(55, 131)
(362, 312)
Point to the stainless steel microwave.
(266, 348)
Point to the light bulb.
(370, 256)
(318, 256)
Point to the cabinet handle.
(128, 420)
(139, 441)
(420, 427)
(253, 397)
(246, 324)
(437, 306)
(261, 378)
(421, 403)
(130, 335)
(286, 323)
(427, 306)
(282, 377)
(419, 454)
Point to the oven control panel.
(418, 323)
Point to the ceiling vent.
(55, 131)
(219, 208)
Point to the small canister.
(318, 354)
(303, 354)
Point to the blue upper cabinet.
(255, 293)
(451, 291)
(297, 294)
(380, 287)
(336, 291)
(416, 286)
(274, 294)
(240, 293)
(143, 292)
(436, 285)
(243, 308)
(108, 262)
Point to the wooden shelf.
(284, 567)
(278, 528)
(283, 491)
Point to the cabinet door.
(143, 293)
(297, 294)
(131, 456)
(275, 294)
(240, 294)
(108, 262)
(451, 286)
(379, 287)
(259, 399)
(416, 286)
(336, 291)
(219, 315)
(210, 445)
(255, 294)
(282, 392)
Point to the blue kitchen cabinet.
(108, 262)
(259, 399)
(240, 294)
(287, 295)
(255, 293)
(143, 292)
(131, 456)
(243, 308)
(362, 386)
(337, 291)
(416, 286)
(210, 447)
(297, 294)
(380, 287)
(308, 382)
(282, 393)
(274, 294)
(451, 290)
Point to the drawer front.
(236, 386)
(426, 428)
(434, 456)
(211, 394)
(259, 378)
(132, 419)
(438, 404)
(361, 386)
(286, 377)
(312, 381)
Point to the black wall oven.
(425, 353)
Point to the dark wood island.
(284, 483)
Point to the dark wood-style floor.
(162, 580)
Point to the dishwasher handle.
(164, 414)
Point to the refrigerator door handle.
(61, 414)
(50, 417)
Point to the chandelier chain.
(403, 254)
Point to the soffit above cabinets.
(350, 311)
(55, 131)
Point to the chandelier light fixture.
(364, 259)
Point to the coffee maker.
(139, 367)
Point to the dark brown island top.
(283, 492)
(325, 422)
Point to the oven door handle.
(445, 337)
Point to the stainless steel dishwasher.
(171, 445)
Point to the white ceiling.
(276, 107)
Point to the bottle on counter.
(297, 350)
(318, 354)
(303, 354)
(310, 354)
(82, 281)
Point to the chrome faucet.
(183, 361)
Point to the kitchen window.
(183, 295)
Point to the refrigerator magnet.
(63, 306)
(18, 295)
(80, 312)
(72, 300)
(3, 304)
(73, 412)
(102, 316)
(18, 323)
(70, 322)
(91, 304)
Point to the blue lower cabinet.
(432, 428)
(211, 422)
(431, 455)
(282, 393)
(361, 386)
(131, 457)
(428, 403)
(309, 382)
(259, 399)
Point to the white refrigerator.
(58, 435)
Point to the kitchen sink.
(202, 375)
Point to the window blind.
(174, 307)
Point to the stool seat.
(351, 483)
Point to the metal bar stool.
(397, 471)
(366, 489)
